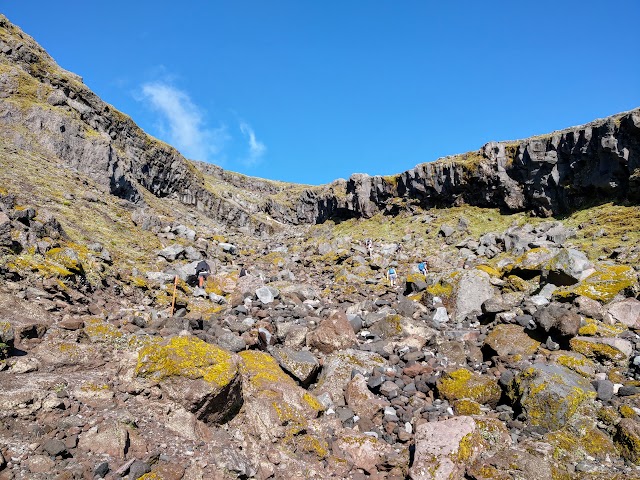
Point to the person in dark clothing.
(202, 271)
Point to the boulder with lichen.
(201, 377)
(550, 395)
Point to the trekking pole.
(173, 301)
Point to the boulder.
(627, 438)
(265, 295)
(301, 365)
(172, 252)
(568, 267)
(274, 404)
(462, 383)
(626, 311)
(557, 319)
(333, 333)
(201, 377)
(588, 307)
(369, 453)
(614, 349)
(358, 397)
(338, 368)
(550, 395)
(507, 339)
(108, 438)
(473, 290)
(444, 449)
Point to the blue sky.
(309, 91)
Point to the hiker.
(370, 246)
(392, 276)
(422, 268)
(202, 271)
(243, 272)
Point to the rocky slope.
(516, 356)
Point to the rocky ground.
(516, 356)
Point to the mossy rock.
(466, 407)
(602, 285)
(490, 270)
(202, 377)
(627, 439)
(535, 260)
(464, 384)
(551, 395)
(595, 328)
(611, 349)
(508, 339)
(101, 331)
(68, 258)
(576, 443)
(275, 405)
(576, 362)
(514, 283)
(389, 327)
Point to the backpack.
(392, 271)
(422, 266)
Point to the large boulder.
(627, 438)
(550, 395)
(626, 311)
(301, 365)
(444, 449)
(603, 284)
(333, 333)
(613, 349)
(172, 252)
(275, 406)
(558, 319)
(201, 377)
(338, 368)
(568, 267)
(508, 339)
(472, 291)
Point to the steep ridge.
(46, 108)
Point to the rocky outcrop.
(44, 107)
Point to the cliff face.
(552, 174)
(45, 108)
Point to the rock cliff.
(45, 108)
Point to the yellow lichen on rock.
(597, 350)
(263, 370)
(101, 331)
(466, 407)
(462, 383)
(604, 284)
(187, 357)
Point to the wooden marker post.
(173, 301)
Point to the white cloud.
(256, 148)
(183, 123)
